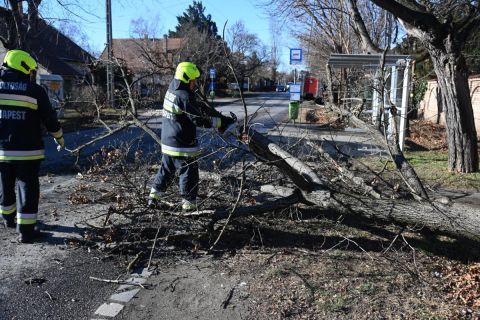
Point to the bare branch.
(418, 19)
(368, 44)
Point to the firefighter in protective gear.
(24, 108)
(181, 115)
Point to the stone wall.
(432, 109)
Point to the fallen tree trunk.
(312, 190)
(455, 220)
(311, 186)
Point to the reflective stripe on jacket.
(24, 107)
(181, 116)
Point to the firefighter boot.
(29, 237)
(188, 205)
(154, 198)
(29, 233)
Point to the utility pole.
(110, 83)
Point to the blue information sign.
(295, 55)
(213, 73)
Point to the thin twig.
(153, 247)
(49, 296)
(394, 239)
(228, 298)
(239, 197)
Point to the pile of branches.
(234, 187)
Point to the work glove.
(226, 122)
(60, 143)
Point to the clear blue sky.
(91, 19)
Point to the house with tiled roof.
(152, 61)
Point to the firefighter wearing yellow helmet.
(24, 107)
(181, 115)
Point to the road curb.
(122, 296)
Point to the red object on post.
(310, 88)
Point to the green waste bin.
(293, 107)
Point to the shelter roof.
(338, 60)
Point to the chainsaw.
(233, 128)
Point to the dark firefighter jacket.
(24, 107)
(181, 115)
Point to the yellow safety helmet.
(20, 60)
(186, 72)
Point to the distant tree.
(195, 16)
(141, 28)
(275, 33)
(205, 50)
(20, 23)
(202, 45)
(248, 54)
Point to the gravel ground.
(61, 291)
(50, 279)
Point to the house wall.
(432, 108)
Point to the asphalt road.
(269, 108)
(50, 279)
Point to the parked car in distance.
(280, 88)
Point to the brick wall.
(430, 107)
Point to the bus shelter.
(397, 70)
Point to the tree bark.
(361, 29)
(456, 220)
(311, 186)
(452, 77)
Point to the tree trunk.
(312, 187)
(455, 220)
(452, 75)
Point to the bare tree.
(275, 32)
(140, 28)
(202, 48)
(248, 54)
(20, 23)
(443, 28)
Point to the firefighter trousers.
(22, 177)
(187, 168)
